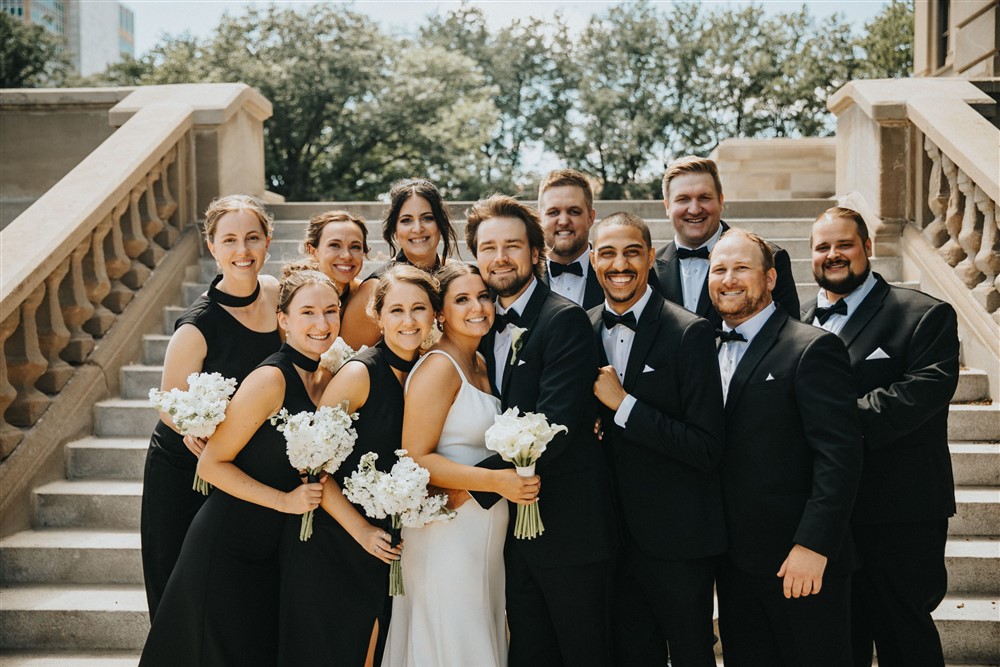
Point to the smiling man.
(789, 472)
(693, 199)
(659, 385)
(904, 349)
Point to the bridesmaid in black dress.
(229, 330)
(334, 586)
(221, 604)
(416, 223)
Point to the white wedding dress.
(452, 614)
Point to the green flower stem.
(396, 567)
(200, 485)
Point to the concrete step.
(91, 618)
(970, 628)
(70, 659)
(974, 423)
(973, 385)
(272, 267)
(104, 504)
(978, 511)
(124, 418)
(138, 379)
(71, 556)
(170, 315)
(106, 458)
(890, 268)
(154, 348)
(975, 463)
(973, 565)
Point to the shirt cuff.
(624, 410)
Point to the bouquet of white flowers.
(522, 440)
(400, 494)
(316, 442)
(337, 355)
(197, 411)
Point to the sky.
(154, 18)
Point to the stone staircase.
(71, 589)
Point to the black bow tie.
(823, 314)
(700, 253)
(501, 322)
(556, 269)
(611, 319)
(731, 336)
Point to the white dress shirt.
(618, 346)
(732, 352)
(503, 339)
(835, 322)
(694, 271)
(568, 285)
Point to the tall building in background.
(97, 32)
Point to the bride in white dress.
(453, 572)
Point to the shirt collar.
(752, 327)
(637, 307)
(854, 299)
(522, 301)
(710, 243)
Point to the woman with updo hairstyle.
(335, 586)
(221, 604)
(416, 223)
(337, 241)
(228, 330)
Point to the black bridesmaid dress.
(332, 590)
(168, 501)
(221, 604)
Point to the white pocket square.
(879, 353)
(648, 369)
(520, 362)
(768, 378)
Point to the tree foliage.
(30, 56)
(887, 42)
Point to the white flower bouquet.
(400, 494)
(197, 411)
(316, 442)
(337, 355)
(522, 440)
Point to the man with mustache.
(662, 429)
(903, 346)
(692, 197)
(789, 472)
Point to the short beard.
(847, 284)
(513, 287)
(569, 253)
(749, 308)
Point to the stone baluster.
(988, 258)
(166, 205)
(951, 250)
(135, 241)
(53, 335)
(117, 262)
(151, 224)
(95, 278)
(10, 435)
(25, 364)
(937, 197)
(971, 234)
(76, 307)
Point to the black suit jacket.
(593, 294)
(666, 278)
(793, 451)
(553, 374)
(665, 460)
(903, 400)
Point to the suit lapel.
(645, 336)
(762, 342)
(865, 312)
(704, 300)
(809, 314)
(527, 321)
(486, 348)
(597, 322)
(668, 274)
(592, 292)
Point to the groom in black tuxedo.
(662, 426)
(541, 358)
(789, 472)
(904, 348)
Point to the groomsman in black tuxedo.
(692, 196)
(662, 424)
(566, 206)
(903, 346)
(790, 470)
(541, 358)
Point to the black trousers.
(902, 579)
(656, 602)
(557, 616)
(761, 628)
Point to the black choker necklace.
(299, 359)
(401, 258)
(396, 361)
(223, 299)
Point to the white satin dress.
(453, 572)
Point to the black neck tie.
(700, 253)
(823, 314)
(611, 319)
(556, 269)
(731, 336)
(501, 322)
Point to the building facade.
(957, 38)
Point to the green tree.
(887, 42)
(30, 56)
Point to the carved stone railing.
(921, 162)
(89, 266)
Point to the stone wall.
(777, 168)
(973, 41)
